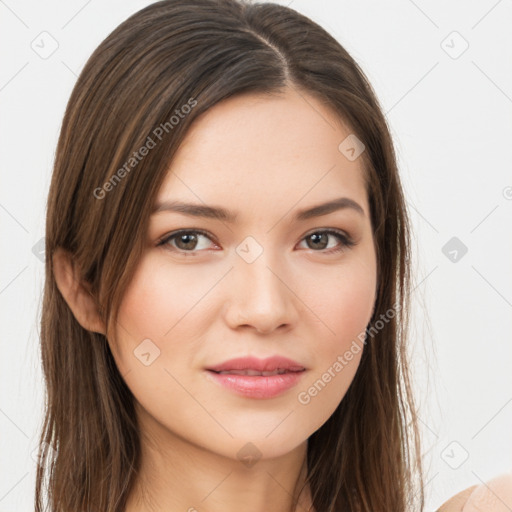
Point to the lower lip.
(254, 386)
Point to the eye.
(319, 240)
(185, 241)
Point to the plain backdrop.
(443, 74)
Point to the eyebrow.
(219, 213)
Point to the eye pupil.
(317, 237)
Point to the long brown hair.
(196, 53)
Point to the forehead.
(253, 151)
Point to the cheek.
(343, 308)
(343, 299)
(155, 342)
(352, 303)
(154, 307)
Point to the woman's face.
(267, 283)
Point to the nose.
(260, 297)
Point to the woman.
(227, 282)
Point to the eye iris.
(317, 236)
(185, 237)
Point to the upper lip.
(263, 365)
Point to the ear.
(75, 293)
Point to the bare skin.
(494, 495)
(456, 503)
(265, 158)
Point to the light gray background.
(450, 116)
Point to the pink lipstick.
(257, 378)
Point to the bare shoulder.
(457, 502)
(489, 496)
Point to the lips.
(257, 378)
(252, 366)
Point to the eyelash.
(346, 241)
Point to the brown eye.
(319, 240)
(185, 241)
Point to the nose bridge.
(261, 296)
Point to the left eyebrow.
(219, 213)
(329, 207)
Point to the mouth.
(257, 373)
(257, 378)
(274, 365)
(256, 384)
